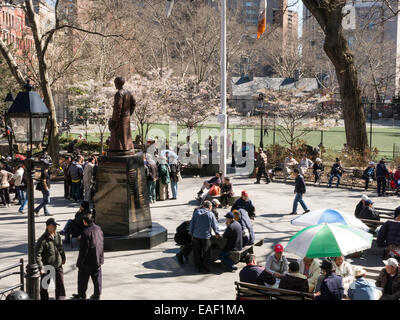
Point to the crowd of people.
(333, 278)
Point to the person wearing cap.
(369, 174)
(294, 280)
(336, 171)
(381, 173)
(318, 168)
(261, 165)
(255, 274)
(90, 258)
(389, 235)
(214, 181)
(74, 227)
(299, 190)
(360, 205)
(310, 267)
(369, 212)
(332, 284)
(288, 164)
(215, 205)
(361, 289)
(389, 280)
(277, 263)
(201, 224)
(49, 251)
(226, 192)
(234, 241)
(245, 203)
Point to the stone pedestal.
(122, 205)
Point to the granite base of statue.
(122, 204)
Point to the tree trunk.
(329, 16)
(44, 82)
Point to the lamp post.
(28, 117)
(261, 108)
(8, 101)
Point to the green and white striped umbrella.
(329, 240)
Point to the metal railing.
(8, 273)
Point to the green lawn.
(333, 139)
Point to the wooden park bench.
(372, 274)
(389, 213)
(248, 291)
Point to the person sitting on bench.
(184, 239)
(336, 171)
(215, 205)
(277, 263)
(226, 192)
(215, 181)
(369, 174)
(369, 212)
(74, 227)
(332, 284)
(243, 218)
(255, 274)
(294, 280)
(389, 280)
(245, 203)
(389, 236)
(234, 241)
(310, 267)
(360, 206)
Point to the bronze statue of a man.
(120, 127)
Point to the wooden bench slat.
(247, 288)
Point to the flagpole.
(223, 90)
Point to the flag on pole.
(170, 4)
(262, 18)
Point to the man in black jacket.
(90, 259)
(336, 171)
(299, 190)
(234, 241)
(50, 252)
(255, 274)
(381, 173)
(332, 284)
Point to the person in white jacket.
(310, 267)
(343, 269)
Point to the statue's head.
(119, 82)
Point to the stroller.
(394, 184)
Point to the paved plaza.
(155, 273)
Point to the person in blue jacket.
(243, 218)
